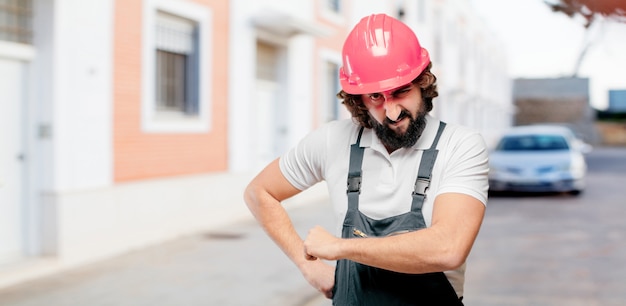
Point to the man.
(411, 190)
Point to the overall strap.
(354, 173)
(424, 173)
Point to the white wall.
(93, 224)
(101, 222)
(364, 8)
(241, 63)
(69, 112)
(301, 59)
(82, 98)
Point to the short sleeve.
(303, 164)
(467, 165)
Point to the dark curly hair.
(426, 81)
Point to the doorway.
(12, 233)
(271, 124)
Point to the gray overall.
(358, 284)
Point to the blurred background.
(128, 123)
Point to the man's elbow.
(257, 197)
(251, 196)
(452, 258)
(453, 263)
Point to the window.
(16, 21)
(331, 11)
(176, 62)
(176, 68)
(334, 5)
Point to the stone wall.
(553, 110)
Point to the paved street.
(238, 265)
(532, 250)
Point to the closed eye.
(402, 92)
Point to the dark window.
(177, 64)
(16, 21)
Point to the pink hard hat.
(381, 53)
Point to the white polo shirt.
(388, 179)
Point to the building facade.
(128, 123)
(563, 101)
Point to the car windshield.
(533, 143)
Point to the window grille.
(176, 64)
(171, 80)
(16, 21)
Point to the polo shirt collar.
(370, 140)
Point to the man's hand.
(321, 244)
(320, 275)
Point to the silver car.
(538, 158)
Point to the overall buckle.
(354, 184)
(421, 185)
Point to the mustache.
(403, 114)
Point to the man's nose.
(392, 109)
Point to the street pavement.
(237, 265)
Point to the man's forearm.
(441, 247)
(415, 252)
(273, 218)
(263, 197)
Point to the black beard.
(392, 140)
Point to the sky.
(543, 44)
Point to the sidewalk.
(238, 265)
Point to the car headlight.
(579, 168)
